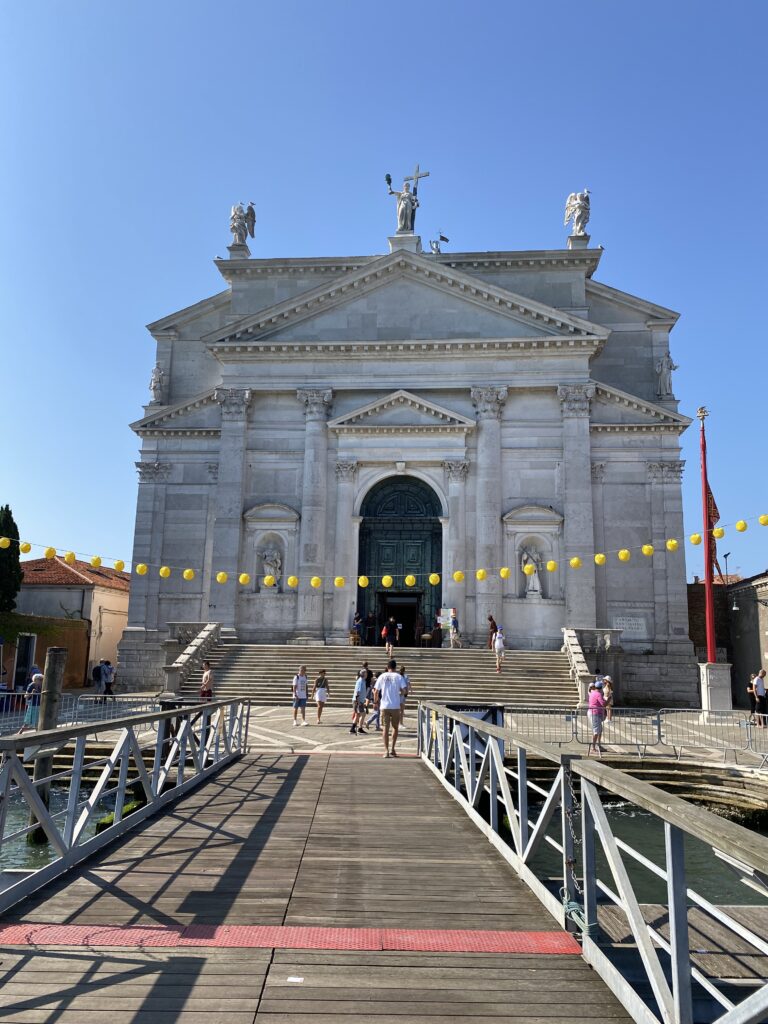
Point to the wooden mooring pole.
(53, 679)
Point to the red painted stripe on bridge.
(290, 937)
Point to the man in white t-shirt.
(388, 694)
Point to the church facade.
(412, 415)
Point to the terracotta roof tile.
(54, 572)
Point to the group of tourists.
(758, 704)
(375, 700)
(599, 710)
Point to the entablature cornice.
(179, 432)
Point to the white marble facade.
(521, 391)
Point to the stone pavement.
(272, 729)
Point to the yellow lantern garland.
(292, 581)
(505, 572)
(141, 569)
(718, 532)
(458, 576)
(119, 565)
(387, 581)
(529, 568)
(339, 582)
(434, 578)
(25, 547)
(244, 579)
(599, 558)
(315, 582)
(363, 581)
(96, 562)
(269, 580)
(410, 580)
(5, 542)
(551, 565)
(70, 558)
(695, 539)
(165, 571)
(763, 520)
(575, 562)
(222, 577)
(480, 574)
(647, 550)
(624, 555)
(741, 526)
(672, 544)
(188, 574)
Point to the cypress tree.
(10, 565)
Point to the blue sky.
(130, 128)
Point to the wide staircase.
(264, 672)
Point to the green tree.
(10, 566)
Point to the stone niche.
(268, 613)
(533, 616)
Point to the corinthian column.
(227, 525)
(578, 528)
(313, 509)
(455, 555)
(345, 552)
(489, 402)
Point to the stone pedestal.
(578, 241)
(715, 681)
(408, 241)
(238, 251)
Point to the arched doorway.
(400, 535)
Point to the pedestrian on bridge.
(300, 685)
(596, 713)
(321, 691)
(761, 704)
(389, 690)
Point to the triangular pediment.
(613, 409)
(401, 412)
(403, 296)
(197, 415)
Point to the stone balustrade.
(200, 639)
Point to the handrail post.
(589, 868)
(472, 737)
(73, 799)
(493, 786)
(157, 764)
(522, 795)
(569, 847)
(680, 954)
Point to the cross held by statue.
(415, 177)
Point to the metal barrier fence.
(544, 725)
(626, 727)
(190, 744)
(519, 817)
(721, 730)
(73, 709)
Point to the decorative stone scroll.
(234, 402)
(317, 401)
(598, 472)
(575, 398)
(489, 401)
(346, 469)
(153, 472)
(456, 470)
(665, 472)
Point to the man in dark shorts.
(389, 691)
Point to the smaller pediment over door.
(401, 412)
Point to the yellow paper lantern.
(95, 561)
(269, 580)
(575, 562)
(647, 550)
(434, 578)
(243, 579)
(672, 544)
(387, 581)
(165, 571)
(763, 520)
(458, 576)
(141, 569)
(70, 558)
(480, 574)
(625, 555)
(741, 526)
(188, 574)
(551, 565)
(529, 568)
(600, 558)
(505, 572)
(5, 542)
(293, 581)
(25, 547)
(222, 577)
(339, 582)
(718, 532)
(363, 581)
(315, 582)
(695, 539)
(410, 581)
(119, 565)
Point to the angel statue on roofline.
(577, 208)
(242, 222)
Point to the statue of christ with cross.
(407, 201)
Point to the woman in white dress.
(498, 647)
(321, 691)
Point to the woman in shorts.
(596, 714)
(321, 691)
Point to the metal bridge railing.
(184, 747)
(521, 816)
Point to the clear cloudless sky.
(129, 128)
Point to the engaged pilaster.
(455, 554)
(489, 403)
(227, 530)
(578, 528)
(345, 551)
(317, 403)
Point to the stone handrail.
(580, 673)
(194, 653)
(596, 638)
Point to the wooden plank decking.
(292, 840)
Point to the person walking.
(299, 689)
(107, 678)
(391, 635)
(32, 697)
(206, 683)
(492, 631)
(751, 696)
(406, 692)
(321, 691)
(358, 702)
(596, 715)
(498, 647)
(373, 705)
(608, 697)
(761, 705)
(389, 690)
(455, 633)
(96, 677)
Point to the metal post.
(444, 765)
(674, 842)
(472, 766)
(122, 781)
(73, 800)
(522, 796)
(569, 847)
(53, 678)
(493, 786)
(157, 765)
(589, 868)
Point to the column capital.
(489, 401)
(317, 401)
(346, 469)
(234, 402)
(598, 472)
(665, 472)
(575, 398)
(153, 472)
(456, 470)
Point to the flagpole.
(709, 594)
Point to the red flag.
(713, 518)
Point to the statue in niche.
(533, 581)
(272, 563)
(664, 368)
(156, 383)
(577, 208)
